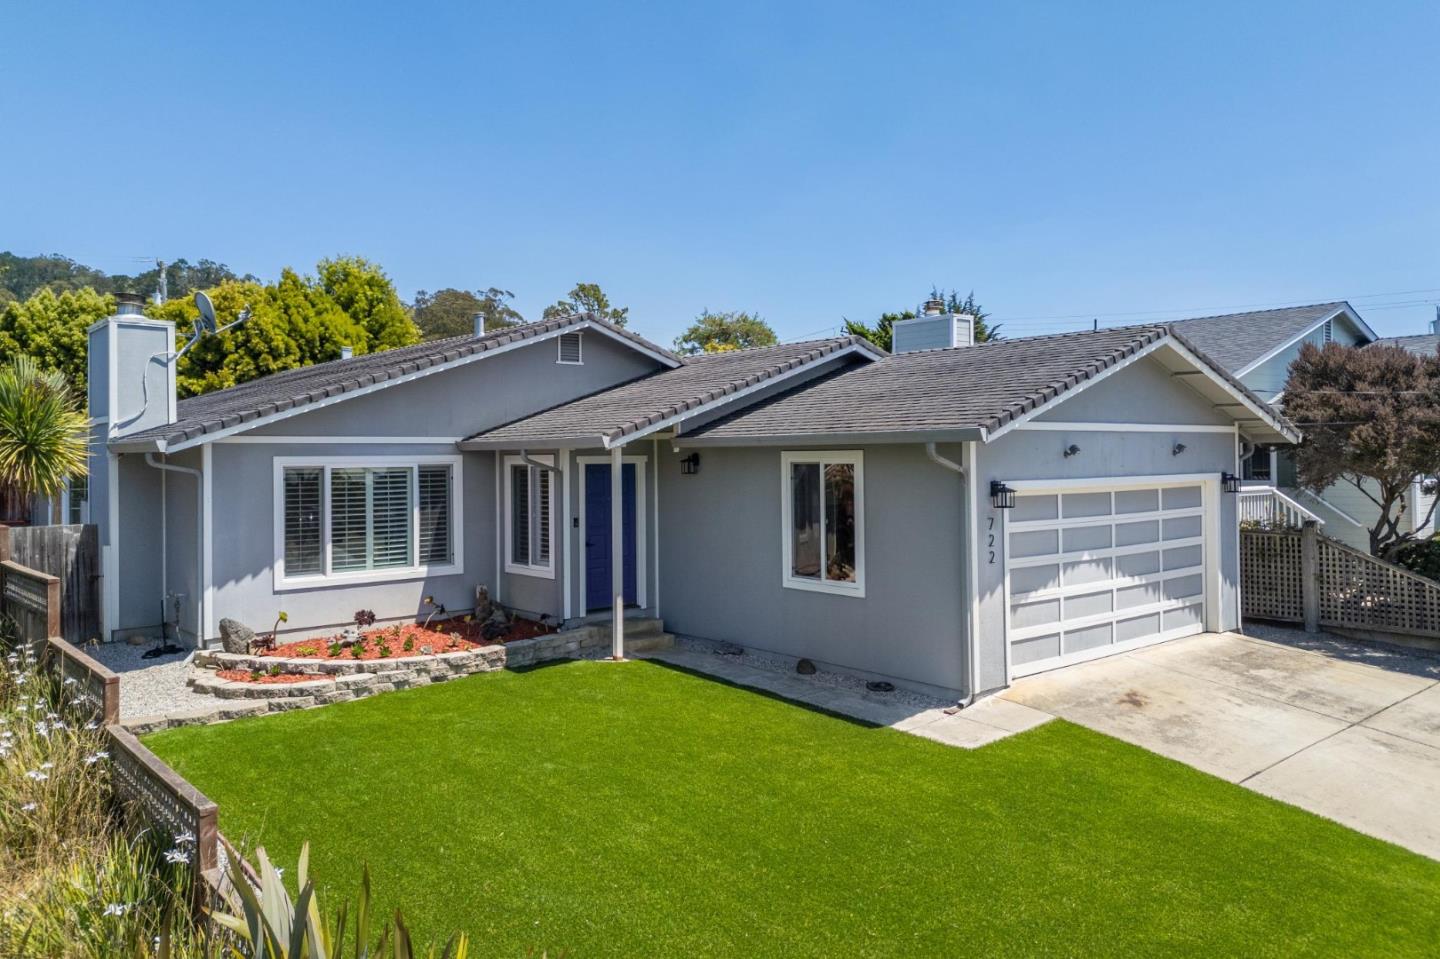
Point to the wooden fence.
(162, 798)
(72, 555)
(1300, 576)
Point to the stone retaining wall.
(340, 680)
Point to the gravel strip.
(785, 665)
(151, 687)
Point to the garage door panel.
(1041, 613)
(1087, 638)
(1088, 572)
(1030, 579)
(1089, 604)
(1085, 504)
(1034, 650)
(1042, 542)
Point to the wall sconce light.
(1071, 450)
(690, 465)
(1001, 496)
(1177, 449)
(1229, 482)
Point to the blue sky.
(807, 161)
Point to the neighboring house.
(949, 518)
(1258, 348)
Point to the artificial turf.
(597, 809)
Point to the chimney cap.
(934, 307)
(129, 304)
(479, 319)
(346, 352)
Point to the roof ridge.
(1273, 309)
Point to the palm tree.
(44, 435)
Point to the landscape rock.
(235, 636)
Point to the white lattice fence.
(1358, 591)
(1270, 575)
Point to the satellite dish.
(207, 312)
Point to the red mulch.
(448, 636)
(265, 679)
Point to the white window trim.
(560, 348)
(397, 574)
(546, 571)
(854, 458)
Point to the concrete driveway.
(1345, 730)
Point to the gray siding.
(720, 564)
(1143, 392)
(139, 568)
(477, 396)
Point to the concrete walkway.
(1345, 730)
(982, 723)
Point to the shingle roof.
(1423, 343)
(977, 388)
(617, 412)
(222, 409)
(1235, 340)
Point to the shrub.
(336, 647)
(357, 650)
(1422, 557)
(384, 651)
(364, 617)
(306, 650)
(409, 643)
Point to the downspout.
(150, 460)
(955, 467)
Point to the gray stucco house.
(950, 517)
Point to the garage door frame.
(1209, 484)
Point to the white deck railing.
(1268, 506)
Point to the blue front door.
(597, 534)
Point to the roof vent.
(346, 352)
(1435, 323)
(479, 319)
(934, 307)
(933, 331)
(129, 304)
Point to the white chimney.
(479, 324)
(1435, 323)
(346, 352)
(933, 331)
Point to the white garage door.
(1094, 571)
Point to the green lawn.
(633, 810)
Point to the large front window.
(346, 519)
(529, 506)
(824, 523)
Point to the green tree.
(364, 293)
(1371, 419)
(53, 328)
(450, 312)
(588, 298)
(44, 434)
(881, 333)
(24, 276)
(723, 332)
(182, 278)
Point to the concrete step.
(647, 626)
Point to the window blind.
(303, 553)
(434, 495)
(520, 514)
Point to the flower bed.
(265, 678)
(408, 639)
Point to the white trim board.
(642, 548)
(1127, 427)
(264, 440)
(329, 579)
(285, 414)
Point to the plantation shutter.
(520, 514)
(349, 525)
(435, 548)
(303, 554)
(542, 512)
(390, 544)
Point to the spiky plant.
(43, 432)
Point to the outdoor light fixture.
(1001, 496)
(1229, 482)
(1071, 450)
(1177, 449)
(690, 465)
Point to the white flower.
(183, 838)
(93, 724)
(177, 856)
(71, 681)
(94, 758)
(29, 807)
(279, 871)
(117, 908)
(47, 765)
(37, 775)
